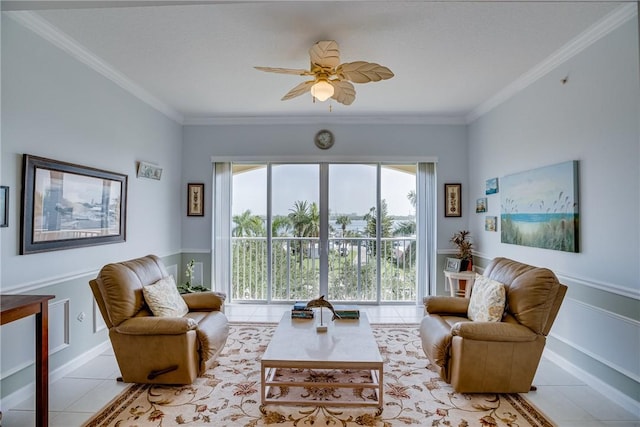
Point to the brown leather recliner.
(494, 357)
(149, 349)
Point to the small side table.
(455, 291)
(14, 307)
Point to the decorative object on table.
(464, 247)
(452, 200)
(322, 303)
(330, 78)
(149, 170)
(65, 205)
(491, 186)
(4, 206)
(539, 207)
(347, 311)
(481, 205)
(491, 223)
(300, 311)
(188, 287)
(195, 199)
(453, 264)
(324, 139)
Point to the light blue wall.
(55, 107)
(593, 118)
(446, 143)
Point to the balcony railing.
(353, 269)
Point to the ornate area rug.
(229, 393)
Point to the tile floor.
(74, 398)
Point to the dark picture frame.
(4, 206)
(65, 205)
(453, 200)
(195, 199)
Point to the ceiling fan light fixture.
(322, 90)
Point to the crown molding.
(391, 119)
(52, 34)
(594, 33)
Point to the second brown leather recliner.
(494, 357)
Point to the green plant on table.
(187, 288)
(463, 245)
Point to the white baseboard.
(29, 390)
(595, 383)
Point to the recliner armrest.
(493, 331)
(151, 325)
(446, 305)
(204, 301)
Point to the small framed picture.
(4, 206)
(149, 170)
(195, 199)
(453, 264)
(491, 223)
(491, 186)
(452, 200)
(481, 205)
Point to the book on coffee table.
(347, 311)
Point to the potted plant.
(464, 247)
(187, 288)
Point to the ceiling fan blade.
(302, 88)
(297, 72)
(343, 92)
(363, 72)
(325, 53)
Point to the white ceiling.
(194, 60)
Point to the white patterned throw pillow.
(487, 301)
(164, 300)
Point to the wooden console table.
(14, 307)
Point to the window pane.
(398, 262)
(248, 231)
(352, 232)
(296, 226)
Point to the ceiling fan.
(331, 79)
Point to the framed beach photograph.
(481, 205)
(491, 186)
(4, 206)
(65, 206)
(195, 199)
(453, 264)
(452, 200)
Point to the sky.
(352, 189)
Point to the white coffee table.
(347, 344)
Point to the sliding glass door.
(301, 230)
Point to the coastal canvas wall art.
(539, 207)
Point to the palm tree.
(280, 226)
(412, 198)
(313, 228)
(299, 217)
(343, 221)
(386, 225)
(247, 225)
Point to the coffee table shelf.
(347, 345)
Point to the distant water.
(538, 217)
